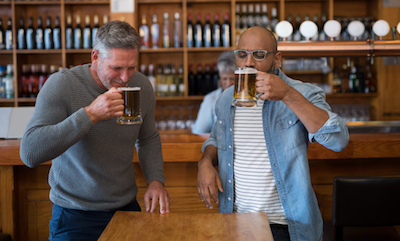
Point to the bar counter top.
(187, 148)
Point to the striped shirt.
(255, 189)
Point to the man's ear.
(278, 58)
(95, 56)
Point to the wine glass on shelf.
(171, 123)
(162, 124)
(180, 122)
(190, 120)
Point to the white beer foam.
(246, 71)
(129, 88)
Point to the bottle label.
(57, 38)
(39, 39)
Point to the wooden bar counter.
(25, 208)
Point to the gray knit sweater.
(92, 165)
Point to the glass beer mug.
(245, 87)
(132, 112)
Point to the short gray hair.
(116, 34)
(226, 62)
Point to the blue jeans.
(280, 232)
(71, 224)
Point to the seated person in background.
(206, 116)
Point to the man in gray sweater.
(74, 125)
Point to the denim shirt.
(287, 142)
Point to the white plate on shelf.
(308, 29)
(332, 28)
(284, 29)
(381, 28)
(356, 28)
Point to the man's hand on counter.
(154, 194)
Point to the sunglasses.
(258, 55)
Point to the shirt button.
(229, 164)
(229, 198)
(230, 146)
(220, 122)
(290, 122)
(230, 129)
(229, 181)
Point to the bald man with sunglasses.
(261, 152)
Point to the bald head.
(259, 36)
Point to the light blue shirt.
(206, 116)
(287, 142)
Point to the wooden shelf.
(340, 48)
(352, 95)
(37, 2)
(38, 51)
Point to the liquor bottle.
(152, 77)
(155, 32)
(274, 19)
(162, 88)
(344, 76)
(198, 32)
(215, 77)
(2, 36)
(208, 81)
(21, 34)
(199, 80)
(290, 20)
(39, 34)
(370, 81)
(43, 75)
(144, 33)
(181, 83)
(250, 16)
(344, 33)
(366, 35)
(207, 35)
(87, 34)
(216, 31)
(95, 28)
(192, 81)
(257, 15)
(322, 35)
(189, 32)
(177, 31)
(34, 81)
(352, 78)
(237, 24)
(48, 35)
(264, 16)
(243, 19)
(9, 35)
(315, 20)
(226, 32)
(296, 32)
(57, 34)
(78, 33)
(30, 35)
(359, 85)
(24, 82)
(69, 34)
(337, 82)
(166, 31)
(172, 81)
(8, 81)
(2, 87)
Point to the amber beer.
(132, 113)
(245, 87)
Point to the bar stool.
(367, 202)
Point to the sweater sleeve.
(52, 129)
